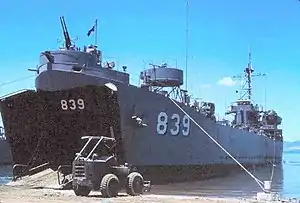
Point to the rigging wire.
(259, 182)
(273, 167)
(16, 80)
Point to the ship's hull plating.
(5, 153)
(147, 147)
(166, 150)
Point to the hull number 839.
(72, 104)
(175, 124)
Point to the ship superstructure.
(251, 116)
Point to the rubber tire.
(81, 190)
(110, 186)
(135, 184)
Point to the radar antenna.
(66, 33)
(246, 90)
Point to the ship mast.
(246, 90)
(186, 43)
(248, 71)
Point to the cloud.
(227, 81)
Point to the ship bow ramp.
(47, 126)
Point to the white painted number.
(162, 121)
(72, 104)
(80, 103)
(64, 104)
(186, 125)
(175, 130)
(162, 124)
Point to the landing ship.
(77, 94)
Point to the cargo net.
(46, 127)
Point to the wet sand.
(239, 188)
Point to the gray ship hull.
(146, 148)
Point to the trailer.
(96, 167)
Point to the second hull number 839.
(177, 125)
(72, 104)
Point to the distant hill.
(291, 146)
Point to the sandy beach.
(13, 194)
(43, 187)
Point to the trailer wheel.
(135, 184)
(81, 190)
(109, 186)
(65, 181)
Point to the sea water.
(291, 177)
(5, 174)
(285, 181)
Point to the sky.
(135, 33)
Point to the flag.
(92, 29)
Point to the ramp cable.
(259, 182)
(33, 157)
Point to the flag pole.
(96, 31)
